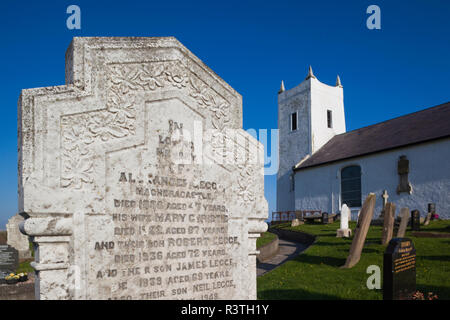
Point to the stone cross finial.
(385, 196)
(310, 74)
(338, 82)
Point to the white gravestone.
(16, 239)
(344, 231)
(137, 179)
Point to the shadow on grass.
(327, 244)
(436, 258)
(331, 261)
(293, 294)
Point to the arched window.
(351, 186)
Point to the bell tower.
(309, 115)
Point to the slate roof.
(421, 126)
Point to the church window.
(292, 178)
(294, 121)
(329, 119)
(351, 186)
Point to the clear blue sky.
(253, 45)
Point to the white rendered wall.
(323, 98)
(293, 145)
(311, 99)
(429, 174)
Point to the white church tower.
(309, 115)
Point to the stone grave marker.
(361, 231)
(9, 260)
(431, 212)
(388, 226)
(137, 179)
(296, 222)
(325, 219)
(415, 220)
(404, 215)
(399, 270)
(344, 230)
(16, 239)
(385, 197)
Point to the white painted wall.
(429, 174)
(310, 99)
(323, 98)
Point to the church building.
(405, 160)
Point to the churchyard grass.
(25, 266)
(265, 238)
(316, 273)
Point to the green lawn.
(315, 273)
(265, 238)
(24, 266)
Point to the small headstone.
(325, 219)
(399, 270)
(427, 219)
(415, 220)
(16, 239)
(9, 260)
(361, 231)
(388, 226)
(296, 222)
(344, 230)
(404, 215)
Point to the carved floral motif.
(81, 131)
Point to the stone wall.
(268, 250)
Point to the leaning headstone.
(404, 216)
(138, 179)
(388, 226)
(344, 230)
(16, 239)
(415, 220)
(399, 270)
(296, 222)
(9, 260)
(361, 231)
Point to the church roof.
(421, 126)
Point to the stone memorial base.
(296, 222)
(344, 233)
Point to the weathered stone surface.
(137, 178)
(361, 231)
(388, 226)
(16, 239)
(404, 215)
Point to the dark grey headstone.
(399, 270)
(432, 207)
(9, 259)
(325, 217)
(415, 220)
